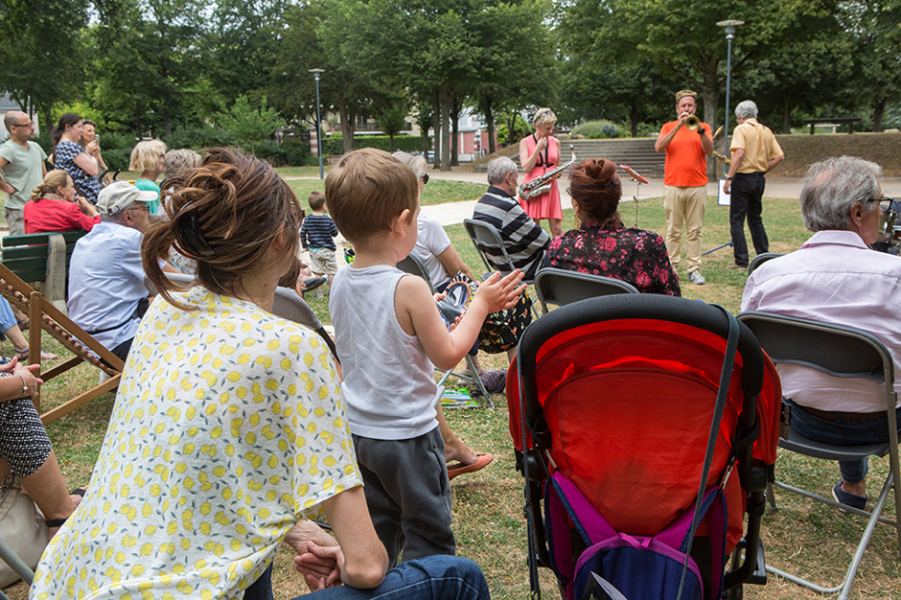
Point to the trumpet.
(692, 123)
(537, 187)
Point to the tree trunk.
(455, 132)
(47, 118)
(633, 119)
(711, 95)
(489, 123)
(878, 113)
(436, 127)
(347, 125)
(446, 102)
(786, 115)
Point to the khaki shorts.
(322, 261)
(15, 219)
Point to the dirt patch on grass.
(803, 150)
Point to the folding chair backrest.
(762, 258)
(836, 350)
(620, 390)
(414, 265)
(488, 242)
(560, 287)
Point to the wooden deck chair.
(52, 320)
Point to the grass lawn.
(811, 539)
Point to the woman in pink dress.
(538, 154)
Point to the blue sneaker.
(848, 499)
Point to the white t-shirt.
(432, 240)
(228, 426)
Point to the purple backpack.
(640, 567)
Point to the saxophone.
(537, 187)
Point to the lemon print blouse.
(228, 426)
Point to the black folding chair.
(842, 352)
(560, 287)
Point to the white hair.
(832, 187)
(414, 161)
(746, 110)
(498, 169)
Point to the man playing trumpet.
(687, 143)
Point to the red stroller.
(618, 394)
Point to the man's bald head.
(14, 117)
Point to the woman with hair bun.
(229, 429)
(538, 154)
(603, 245)
(55, 206)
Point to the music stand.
(638, 179)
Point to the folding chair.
(559, 286)
(488, 242)
(71, 336)
(841, 352)
(762, 258)
(413, 265)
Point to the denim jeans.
(842, 433)
(747, 199)
(435, 577)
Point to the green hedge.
(334, 144)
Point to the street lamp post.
(730, 35)
(316, 73)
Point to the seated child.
(389, 335)
(316, 234)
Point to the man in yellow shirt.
(754, 152)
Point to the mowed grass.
(814, 540)
(438, 191)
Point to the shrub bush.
(334, 144)
(596, 130)
(293, 154)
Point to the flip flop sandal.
(455, 469)
(23, 355)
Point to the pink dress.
(545, 206)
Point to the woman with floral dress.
(602, 245)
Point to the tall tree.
(42, 55)
(148, 55)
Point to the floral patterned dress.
(229, 426)
(633, 255)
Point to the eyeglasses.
(425, 178)
(884, 203)
(28, 124)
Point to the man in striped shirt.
(524, 240)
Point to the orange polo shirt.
(686, 163)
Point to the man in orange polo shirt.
(754, 152)
(685, 183)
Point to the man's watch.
(701, 130)
(727, 178)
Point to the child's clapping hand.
(501, 293)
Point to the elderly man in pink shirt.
(836, 278)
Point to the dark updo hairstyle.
(593, 187)
(226, 215)
(66, 120)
